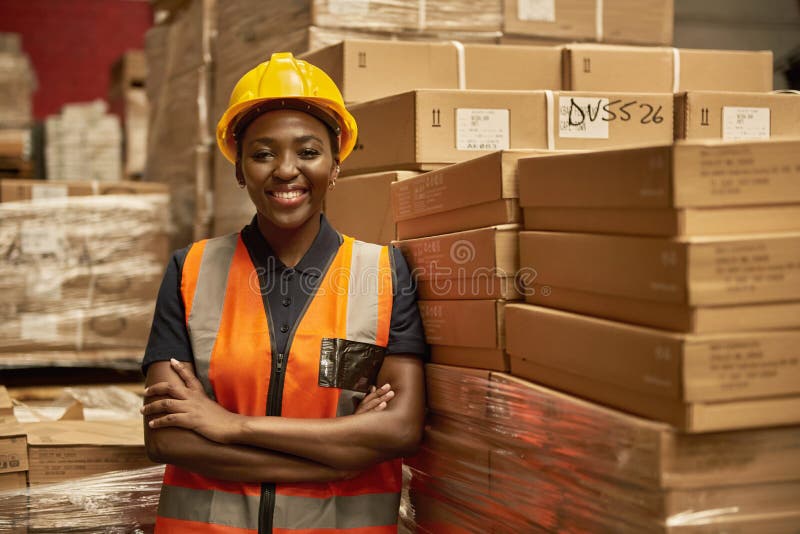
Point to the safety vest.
(230, 335)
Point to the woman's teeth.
(287, 194)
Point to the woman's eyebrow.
(306, 138)
(262, 141)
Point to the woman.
(264, 342)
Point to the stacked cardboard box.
(505, 454)
(17, 84)
(79, 273)
(128, 100)
(83, 142)
(180, 132)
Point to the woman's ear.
(240, 174)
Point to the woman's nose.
(286, 168)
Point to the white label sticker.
(39, 192)
(538, 10)
(745, 123)
(43, 282)
(583, 117)
(348, 7)
(482, 129)
(38, 326)
(39, 239)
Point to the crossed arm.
(186, 428)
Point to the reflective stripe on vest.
(230, 339)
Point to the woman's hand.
(376, 401)
(187, 406)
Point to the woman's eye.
(309, 153)
(262, 155)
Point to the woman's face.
(287, 163)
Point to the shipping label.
(38, 326)
(348, 7)
(745, 123)
(588, 117)
(44, 191)
(40, 239)
(482, 129)
(536, 10)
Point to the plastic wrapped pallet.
(119, 501)
(79, 275)
(17, 84)
(502, 454)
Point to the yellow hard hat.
(286, 82)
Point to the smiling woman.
(284, 365)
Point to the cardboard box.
(472, 194)
(6, 405)
(14, 481)
(433, 128)
(476, 264)
(63, 450)
(736, 116)
(12, 190)
(620, 21)
(591, 438)
(130, 70)
(597, 67)
(696, 383)
(668, 316)
(368, 69)
(13, 447)
(719, 270)
(690, 188)
(467, 333)
(360, 206)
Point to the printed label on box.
(536, 10)
(43, 282)
(482, 129)
(348, 7)
(40, 239)
(745, 123)
(583, 117)
(39, 192)
(38, 326)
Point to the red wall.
(73, 43)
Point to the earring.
(241, 184)
(332, 185)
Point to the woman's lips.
(289, 198)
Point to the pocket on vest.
(349, 365)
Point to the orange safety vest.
(230, 335)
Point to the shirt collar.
(315, 260)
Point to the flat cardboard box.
(688, 174)
(360, 206)
(621, 21)
(668, 316)
(432, 128)
(13, 481)
(697, 271)
(736, 116)
(455, 198)
(591, 438)
(475, 264)
(466, 333)
(598, 67)
(13, 446)
(12, 190)
(63, 450)
(698, 383)
(366, 69)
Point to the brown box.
(6, 404)
(433, 128)
(63, 450)
(620, 21)
(697, 383)
(360, 206)
(475, 264)
(459, 391)
(367, 69)
(735, 116)
(689, 188)
(597, 67)
(13, 446)
(12, 190)
(467, 333)
(14, 481)
(719, 270)
(130, 70)
(472, 194)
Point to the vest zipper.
(266, 507)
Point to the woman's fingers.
(186, 375)
(376, 400)
(160, 406)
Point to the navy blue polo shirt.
(288, 291)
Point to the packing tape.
(598, 20)
(95, 187)
(676, 70)
(422, 14)
(462, 64)
(551, 140)
(79, 329)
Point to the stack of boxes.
(128, 99)
(17, 84)
(83, 142)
